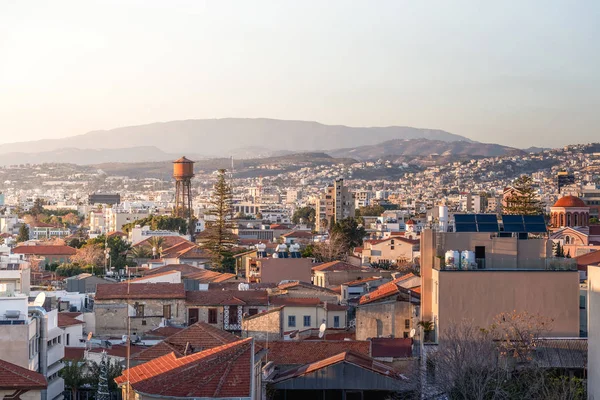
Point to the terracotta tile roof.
(165, 331)
(148, 276)
(194, 253)
(120, 350)
(395, 348)
(385, 290)
(307, 351)
(336, 266)
(298, 234)
(176, 250)
(70, 314)
(185, 269)
(295, 301)
(74, 353)
(140, 291)
(207, 276)
(196, 337)
(592, 258)
(306, 285)
(65, 320)
(349, 357)
(13, 377)
(168, 241)
(260, 314)
(227, 297)
(44, 250)
(223, 371)
(358, 282)
(116, 233)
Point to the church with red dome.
(569, 211)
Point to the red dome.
(570, 201)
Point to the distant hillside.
(423, 147)
(220, 137)
(243, 167)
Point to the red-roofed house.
(51, 254)
(73, 327)
(228, 371)
(335, 273)
(20, 383)
(148, 304)
(301, 314)
(395, 249)
(389, 311)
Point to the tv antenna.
(412, 333)
(322, 330)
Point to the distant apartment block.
(335, 204)
(104, 198)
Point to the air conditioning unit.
(12, 314)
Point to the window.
(253, 311)
(167, 311)
(307, 320)
(139, 310)
(567, 240)
(212, 315)
(233, 316)
(407, 324)
(292, 321)
(336, 321)
(405, 335)
(68, 339)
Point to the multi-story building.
(362, 198)
(591, 198)
(30, 338)
(335, 204)
(116, 217)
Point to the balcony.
(55, 353)
(56, 387)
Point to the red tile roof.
(227, 297)
(299, 234)
(65, 320)
(44, 250)
(295, 301)
(307, 351)
(168, 241)
(395, 348)
(149, 276)
(385, 290)
(165, 331)
(120, 350)
(336, 266)
(196, 337)
(359, 282)
(223, 371)
(349, 357)
(185, 269)
(74, 353)
(161, 290)
(592, 258)
(207, 276)
(13, 377)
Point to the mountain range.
(242, 138)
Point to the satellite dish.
(89, 336)
(40, 299)
(412, 333)
(322, 329)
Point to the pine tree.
(218, 237)
(103, 392)
(524, 200)
(23, 233)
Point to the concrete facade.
(593, 307)
(385, 319)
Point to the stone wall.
(386, 319)
(111, 315)
(264, 326)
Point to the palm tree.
(140, 252)
(428, 327)
(156, 242)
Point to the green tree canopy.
(524, 199)
(370, 211)
(160, 223)
(349, 230)
(307, 214)
(23, 234)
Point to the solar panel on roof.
(486, 218)
(466, 227)
(534, 219)
(512, 219)
(464, 218)
(535, 228)
(514, 227)
(488, 227)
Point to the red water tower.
(183, 172)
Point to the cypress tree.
(103, 393)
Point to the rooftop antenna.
(412, 333)
(40, 299)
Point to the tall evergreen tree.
(523, 200)
(103, 392)
(23, 233)
(218, 237)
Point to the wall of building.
(263, 327)
(335, 278)
(386, 319)
(481, 295)
(593, 307)
(29, 395)
(111, 315)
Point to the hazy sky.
(513, 72)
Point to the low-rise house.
(355, 289)
(394, 250)
(72, 324)
(229, 371)
(41, 230)
(20, 383)
(301, 314)
(224, 309)
(389, 311)
(57, 254)
(298, 237)
(147, 304)
(160, 277)
(275, 270)
(264, 326)
(295, 289)
(335, 273)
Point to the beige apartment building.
(335, 204)
(509, 273)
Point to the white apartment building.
(30, 338)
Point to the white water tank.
(467, 260)
(261, 247)
(452, 259)
(443, 218)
